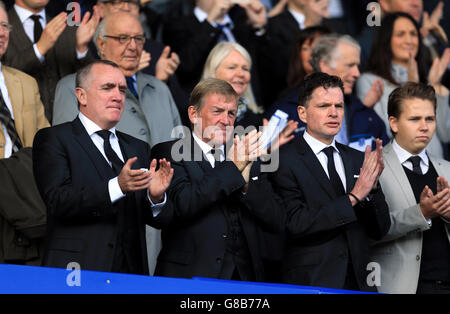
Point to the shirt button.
(417, 258)
(218, 260)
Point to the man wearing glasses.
(150, 113)
(47, 49)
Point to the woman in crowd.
(232, 63)
(397, 58)
(299, 68)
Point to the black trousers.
(433, 287)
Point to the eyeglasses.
(118, 3)
(6, 27)
(125, 39)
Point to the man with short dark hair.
(418, 194)
(220, 197)
(332, 201)
(95, 183)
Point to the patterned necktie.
(116, 163)
(37, 27)
(335, 180)
(7, 120)
(130, 83)
(415, 160)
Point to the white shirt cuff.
(156, 208)
(40, 57)
(115, 192)
(81, 55)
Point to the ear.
(385, 5)
(193, 115)
(81, 96)
(393, 123)
(324, 67)
(301, 110)
(101, 42)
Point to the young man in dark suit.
(220, 197)
(91, 178)
(332, 200)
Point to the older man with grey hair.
(150, 113)
(339, 55)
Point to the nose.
(423, 125)
(125, 7)
(332, 112)
(355, 71)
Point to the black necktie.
(334, 176)
(117, 164)
(7, 120)
(130, 83)
(217, 153)
(415, 160)
(37, 27)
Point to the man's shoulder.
(22, 76)
(163, 150)
(151, 80)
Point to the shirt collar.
(25, 14)
(299, 17)
(91, 127)
(404, 155)
(206, 148)
(202, 16)
(316, 145)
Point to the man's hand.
(133, 180)
(242, 152)
(256, 13)
(438, 68)
(285, 136)
(144, 61)
(431, 23)
(86, 30)
(167, 64)
(433, 206)
(371, 170)
(374, 94)
(51, 33)
(160, 181)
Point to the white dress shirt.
(299, 17)
(202, 16)
(4, 90)
(206, 149)
(318, 147)
(404, 155)
(28, 26)
(115, 192)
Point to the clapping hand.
(160, 180)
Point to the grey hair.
(215, 58)
(326, 49)
(100, 32)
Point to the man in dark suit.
(192, 37)
(47, 49)
(91, 178)
(219, 202)
(332, 200)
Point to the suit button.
(224, 236)
(142, 132)
(2, 145)
(417, 258)
(218, 260)
(133, 110)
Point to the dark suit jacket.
(72, 177)
(60, 61)
(194, 234)
(325, 231)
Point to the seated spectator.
(339, 55)
(47, 49)
(397, 58)
(415, 254)
(150, 113)
(157, 59)
(299, 68)
(22, 212)
(192, 37)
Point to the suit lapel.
(19, 32)
(348, 167)
(312, 163)
(15, 94)
(100, 163)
